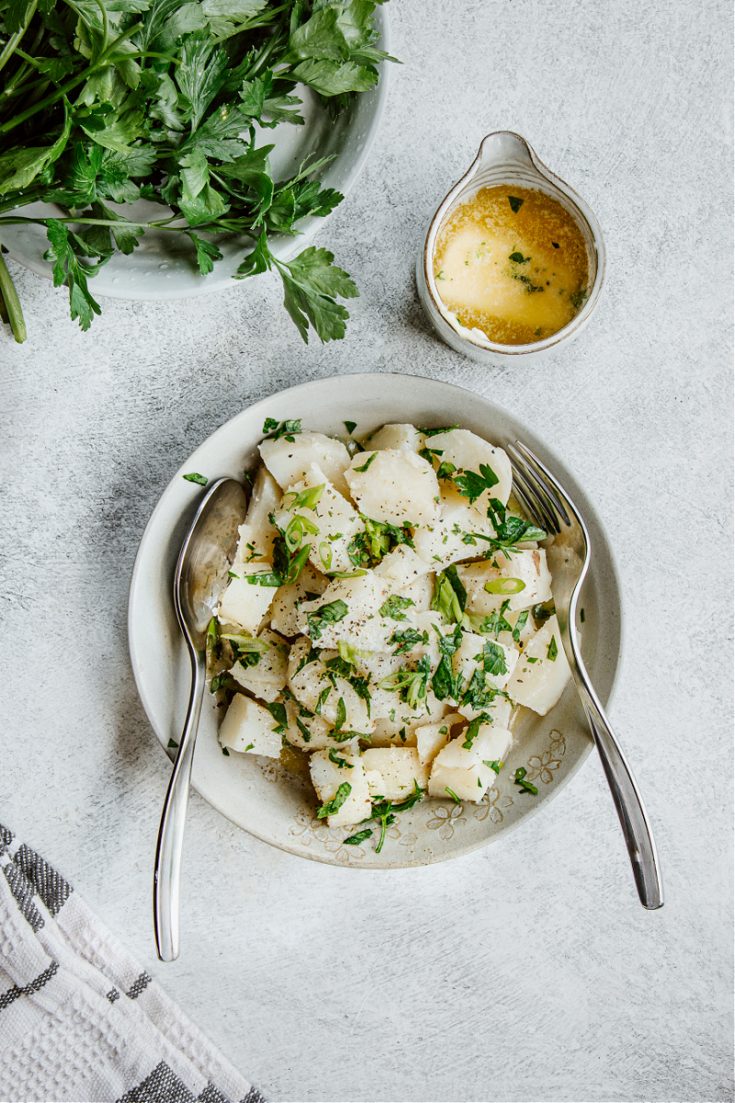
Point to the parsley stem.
(63, 89)
(9, 299)
(16, 38)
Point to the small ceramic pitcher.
(507, 158)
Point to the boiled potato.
(327, 776)
(542, 672)
(500, 711)
(401, 567)
(320, 689)
(360, 625)
(444, 541)
(396, 436)
(290, 461)
(267, 677)
(395, 486)
(528, 567)
(285, 610)
(430, 738)
(302, 724)
(465, 771)
(328, 527)
(467, 451)
(244, 604)
(396, 770)
(249, 727)
(469, 657)
(257, 534)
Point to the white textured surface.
(527, 971)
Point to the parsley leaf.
(472, 484)
(330, 807)
(329, 613)
(195, 477)
(393, 607)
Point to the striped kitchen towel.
(79, 1020)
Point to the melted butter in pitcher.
(512, 262)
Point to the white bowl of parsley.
(270, 794)
(150, 150)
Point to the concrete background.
(527, 972)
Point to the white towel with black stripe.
(79, 1021)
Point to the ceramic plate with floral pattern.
(265, 797)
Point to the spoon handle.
(167, 875)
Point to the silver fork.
(568, 554)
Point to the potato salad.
(388, 612)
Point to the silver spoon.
(200, 577)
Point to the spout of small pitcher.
(504, 147)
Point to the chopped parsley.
(520, 625)
(342, 763)
(276, 430)
(332, 806)
(435, 432)
(330, 613)
(552, 650)
(359, 837)
(472, 483)
(407, 638)
(367, 548)
(445, 683)
(195, 477)
(492, 658)
(350, 426)
(473, 729)
(493, 764)
(386, 811)
(518, 258)
(366, 464)
(278, 712)
(393, 607)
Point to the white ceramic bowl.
(258, 794)
(163, 266)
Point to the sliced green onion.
(303, 499)
(325, 554)
(348, 574)
(505, 586)
(246, 643)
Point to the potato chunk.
(359, 620)
(313, 733)
(395, 486)
(401, 567)
(542, 672)
(328, 527)
(467, 452)
(267, 677)
(445, 540)
(258, 533)
(527, 566)
(327, 776)
(244, 604)
(465, 771)
(430, 738)
(249, 727)
(290, 461)
(285, 610)
(476, 653)
(396, 771)
(396, 436)
(320, 689)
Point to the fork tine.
(528, 482)
(529, 508)
(543, 476)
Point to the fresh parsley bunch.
(105, 102)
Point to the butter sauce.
(513, 263)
